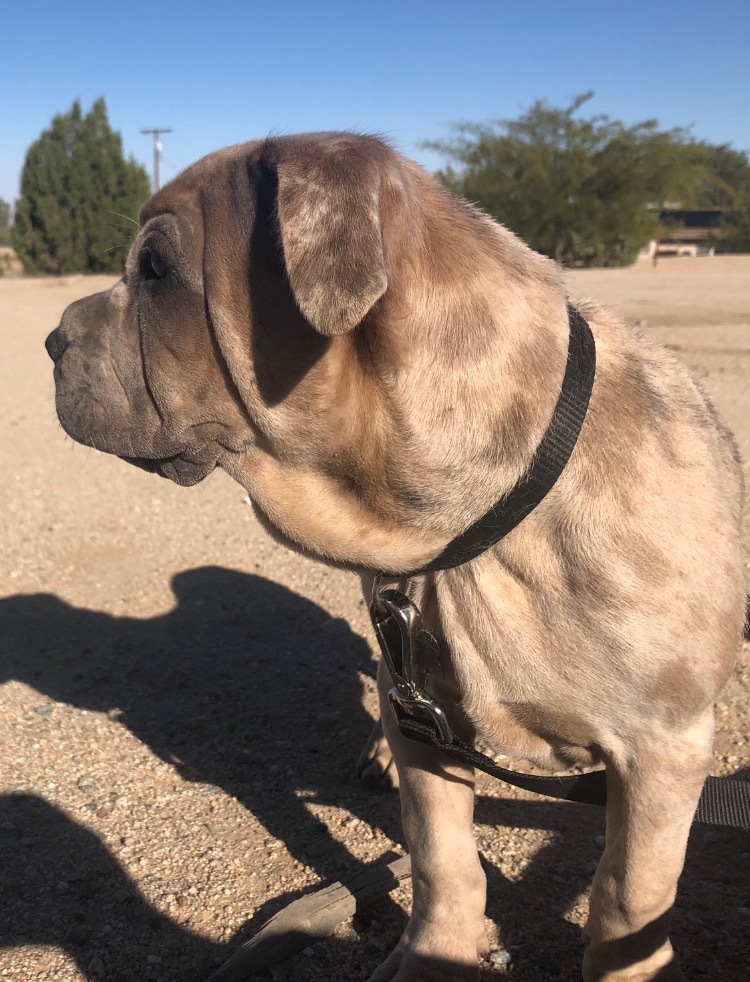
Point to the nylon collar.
(548, 462)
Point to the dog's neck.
(468, 352)
(431, 410)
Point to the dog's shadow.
(250, 687)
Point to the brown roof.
(691, 234)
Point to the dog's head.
(284, 309)
(242, 270)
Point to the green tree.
(575, 188)
(736, 224)
(4, 223)
(725, 183)
(79, 197)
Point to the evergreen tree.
(77, 193)
(4, 223)
(574, 188)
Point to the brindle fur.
(375, 361)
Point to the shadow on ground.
(244, 674)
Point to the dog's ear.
(329, 222)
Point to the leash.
(406, 644)
(403, 638)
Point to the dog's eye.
(153, 265)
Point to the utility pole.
(157, 151)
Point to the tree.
(725, 184)
(736, 224)
(574, 188)
(4, 223)
(79, 197)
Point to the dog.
(376, 361)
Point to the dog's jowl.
(376, 362)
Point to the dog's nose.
(56, 344)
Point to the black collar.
(548, 463)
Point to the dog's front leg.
(446, 929)
(651, 798)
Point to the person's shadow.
(100, 917)
(245, 685)
(250, 687)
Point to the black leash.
(403, 638)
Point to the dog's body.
(376, 362)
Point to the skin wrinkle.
(146, 383)
(383, 360)
(226, 374)
(116, 374)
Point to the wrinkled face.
(231, 342)
(133, 366)
(223, 315)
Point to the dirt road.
(182, 703)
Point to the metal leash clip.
(398, 628)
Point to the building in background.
(685, 231)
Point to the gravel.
(183, 702)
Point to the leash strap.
(588, 789)
(723, 801)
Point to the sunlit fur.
(375, 361)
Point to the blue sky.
(220, 72)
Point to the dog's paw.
(406, 966)
(376, 767)
(661, 966)
(431, 951)
(668, 973)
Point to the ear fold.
(329, 220)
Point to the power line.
(156, 133)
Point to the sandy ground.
(9, 264)
(182, 703)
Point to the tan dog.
(376, 361)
